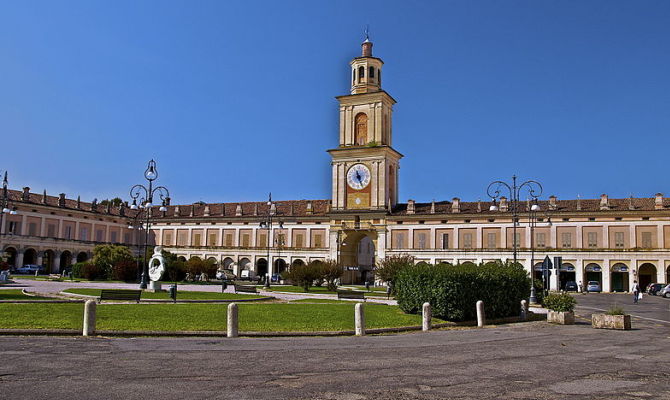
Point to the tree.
(331, 271)
(116, 202)
(301, 275)
(105, 256)
(196, 266)
(387, 270)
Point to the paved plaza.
(520, 361)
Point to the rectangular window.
(400, 241)
(181, 238)
(14, 228)
(566, 240)
(445, 241)
(229, 240)
(98, 236)
(280, 240)
(298, 240)
(68, 232)
(262, 240)
(126, 238)
(592, 239)
(32, 229)
(491, 240)
(245, 240)
(51, 230)
(114, 237)
(318, 241)
(541, 240)
(421, 238)
(618, 240)
(646, 240)
(197, 240)
(212, 239)
(83, 234)
(467, 240)
(517, 239)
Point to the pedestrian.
(636, 292)
(581, 287)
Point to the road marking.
(632, 315)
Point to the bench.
(120, 294)
(350, 294)
(245, 289)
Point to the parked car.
(30, 269)
(225, 275)
(247, 275)
(570, 286)
(654, 288)
(275, 278)
(593, 286)
(665, 292)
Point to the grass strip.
(268, 317)
(17, 294)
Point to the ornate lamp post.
(4, 203)
(143, 195)
(267, 224)
(534, 189)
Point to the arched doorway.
(48, 261)
(82, 256)
(227, 262)
(593, 273)
(244, 264)
(619, 278)
(297, 262)
(646, 275)
(566, 274)
(29, 257)
(262, 267)
(357, 256)
(65, 260)
(280, 265)
(10, 254)
(212, 260)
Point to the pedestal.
(154, 286)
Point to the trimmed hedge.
(453, 290)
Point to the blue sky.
(236, 98)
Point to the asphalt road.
(521, 361)
(650, 309)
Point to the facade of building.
(613, 241)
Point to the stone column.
(232, 321)
(606, 276)
(89, 318)
(359, 319)
(19, 257)
(481, 319)
(427, 322)
(56, 262)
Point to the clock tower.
(365, 166)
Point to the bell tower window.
(371, 74)
(361, 73)
(361, 131)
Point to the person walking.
(636, 292)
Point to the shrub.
(559, 302)
(125, 271)
(301, 275)
(197, 266)
(539, 290)
(616, 310)
(453, 291)
(389, 268)
(91, 271)
(331, 271)
(76, 269)
(106, 256)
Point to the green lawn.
(16, 294)
(185, 295)
(203, 317)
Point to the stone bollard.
(359, 317)
(427, 317)
(232, 321)
(480, 314)
(524, 310)
(89, 318)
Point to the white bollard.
(359, 318)
(480, 314)
(524, 310)
(89, 318)
(427, 317)
(232, 321)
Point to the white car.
(593, 286)
(665, 292)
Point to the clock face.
(358, 177)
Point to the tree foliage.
(388, 269)
(105, 256)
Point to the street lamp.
(534, 189)
(267, 224)
(4, 202)
(145, 196)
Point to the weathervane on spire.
(367, 32)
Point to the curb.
(89, 297)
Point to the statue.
(156, 267)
